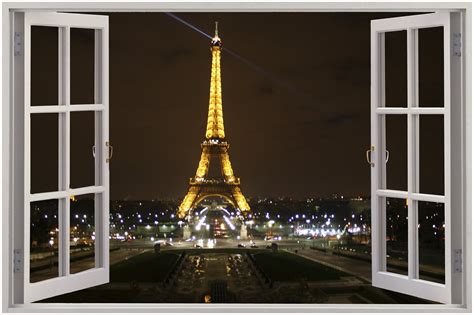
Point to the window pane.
(44, 65)
(82, 141)
(44, 233)
(397, 235)
(82, 228)
(44, 152)
(431, 239)
(431, 67)
(82, 65)
(396, 145)
(396, 69)
(431, 151)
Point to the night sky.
(298, 121)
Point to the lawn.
(284, 266)
(146, 267)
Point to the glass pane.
(431, 241)
(82, 227)
(431, 67)
(397, 235)
(44, 152)
(431, 154)
(44, 240)
(396, 69)
(82, 142)
(396, 145)
(82, 65)
(44, 65)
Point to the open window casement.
(65, 279)
(411, 112)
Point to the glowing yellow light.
(215, 117)
(214, 145)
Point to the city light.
(201, 221)
(232, 227)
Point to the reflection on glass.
(82, 66)
(431, 239)
(431, 151)
(44, 65)
(44, 152)
(431, 67)
(82, 142)
(44, 233)
(396, 69)
(82, 254)
(396, 145)
(397, 235)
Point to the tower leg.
(188, 201)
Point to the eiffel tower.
(202, 185)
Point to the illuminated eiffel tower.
(202, 185)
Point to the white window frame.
(65, 281)
(411, 283)
(464, 156)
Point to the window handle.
(110, 149)
(368, 155)
(387, 155)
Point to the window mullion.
(64, 149)
(411, 152)
(381, 161)
(416, 152)
(98, 144)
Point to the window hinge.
(457, 44)
(17, 260)
(457, 260)
(18, 44)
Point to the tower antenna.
(217, 33)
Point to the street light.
(270, 225)
(51, 243)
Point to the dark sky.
(299, 130)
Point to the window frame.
(65, 282)
(465, 155)
(411, 283)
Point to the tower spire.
(216, 34)
(215, 117)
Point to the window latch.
(368, 155)
(110, 149)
